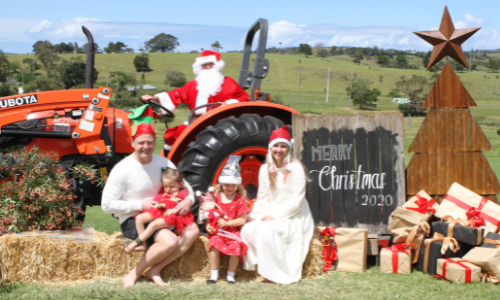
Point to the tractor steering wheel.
(158, 108)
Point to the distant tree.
(394, 93)
(459, 68)
(7, 90)
(362, 95)
(412, 86)
(493, 64)
(121, 80)
(162, 42)
(425, 60)
(74, 74)
(473, 66)
(42, 83)
(305, 49)
(216, 46)
(141, 62)
(13, 66)
(175, 78)
(117, 47)
(383, 60)
(63, 48)
(48, 58)
(129, 50)
(318, 48)
(42, 45)
(401, 61)
(357, 57)
(33, 65)
(4, 67)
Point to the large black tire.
(213, 145)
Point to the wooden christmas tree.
(449, 144)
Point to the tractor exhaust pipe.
(89, 68)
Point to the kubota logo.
(18, 101)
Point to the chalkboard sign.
(356, 164)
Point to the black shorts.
(129, 231)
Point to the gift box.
(419, 208)
(458, 270)
(491, 240)
(415, 239)
(486, 258)
(439, 246)
(463, 234)
(462, 203)
(351, 246)
(423, 204)
(395, 260)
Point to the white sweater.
(131, 182)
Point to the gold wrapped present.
(351, 245)
(462, 203)
(486, 258)
(395, 260)
(419, 208)
(458, 270)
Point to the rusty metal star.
(447, 40)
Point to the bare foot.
(129, 279)
(155, 276)
(130, 247)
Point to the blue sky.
(197, 24)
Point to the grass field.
(282, 82)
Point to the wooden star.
(447, 40)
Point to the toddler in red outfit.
(163, 215)
(225, 235)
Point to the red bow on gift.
(424, 205)
(396, 249)
(474, 215)
(330, 249)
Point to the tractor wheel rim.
(249, 167)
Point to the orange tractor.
(80, 127)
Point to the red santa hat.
(172, 134)
(208, 56)
(280, 135)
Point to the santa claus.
(209, 86)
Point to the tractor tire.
(212, 146)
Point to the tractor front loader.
(79, 126)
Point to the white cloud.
(470, 21)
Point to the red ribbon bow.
(396, 249)
(330, 248)
(477, 215)
(474, 215)
(424, 205)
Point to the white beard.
(209, 82)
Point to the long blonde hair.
(239, 189)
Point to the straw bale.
(42, 259)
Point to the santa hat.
(172, 134)
(142, 121)
(208, 56)
(280, 135)
(231, 172)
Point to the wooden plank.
(450, 130)
(361, 145)
(326, 204)
(374, 170)
(311, 162)
(399, 160)
(435, 172)
(298, 121)
(349, 124)
(387, 167)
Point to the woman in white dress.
(281, 225)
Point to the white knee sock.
(230, 276)
(214, 274)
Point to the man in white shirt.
(131, 185)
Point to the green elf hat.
(142, 121)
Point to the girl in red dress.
(225, 236)
(163, 214)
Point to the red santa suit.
(223, 89)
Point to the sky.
(197, 24)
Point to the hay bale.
(46, 260)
